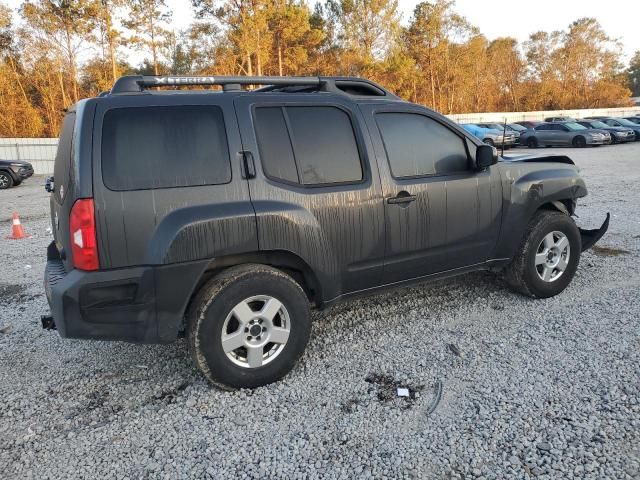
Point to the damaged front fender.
(590, 237)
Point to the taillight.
(82, 224)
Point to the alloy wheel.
(256, 331)
(552, 256)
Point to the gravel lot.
(530, 388)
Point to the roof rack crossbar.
(138, 83)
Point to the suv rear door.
(440, 213)
(316, 191)
(167, 181)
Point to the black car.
(618, 134)
(13, 172)
(619, 122)
(225, 215)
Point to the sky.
(513, 18)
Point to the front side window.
(598, 124)
(309, 145)
(161, 147)
(417, 145)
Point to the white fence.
(40, 152)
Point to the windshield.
(515, 126)
(626, 122)
(598, 124)
(574, 126)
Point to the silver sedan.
(556, 134)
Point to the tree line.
(65, 50)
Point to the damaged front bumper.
(591, 237)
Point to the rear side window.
(161, 147)
(62, 168)
(417, 145)
(308, 145)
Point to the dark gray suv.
(226, 216)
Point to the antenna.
(504, 134)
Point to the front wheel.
(579, 142)
(532, 143)
(548, 256)
(6, 180)
(248, 326)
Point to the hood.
(537, 159)
(21, 163)
(619, 129)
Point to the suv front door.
(440, 213)
(316, 191)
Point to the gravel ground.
(530, 388)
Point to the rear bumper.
(139, 304)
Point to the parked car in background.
(618, 134)
(563, 134)
(529, 123)
(490, 136)
(619, 122)
(560, 119)
(516, 127)
(635, 119)
(13, 172)
(504, 129)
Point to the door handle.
(402, 197)
(248, 165)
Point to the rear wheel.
(579, 142)
(6, 180)
(548, 256)
(248, 326)
(532, 142)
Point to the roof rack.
(345, 85)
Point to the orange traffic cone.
(17, 232)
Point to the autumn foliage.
(64, 50)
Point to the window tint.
(417, 145)
(274, 144)
(62, 168)
(159, 147)
(308, 145)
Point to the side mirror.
(486, 155)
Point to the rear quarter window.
(164, 147)
(63, 165)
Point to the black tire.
(532, 142)
(522, 274)
(579, 142)
(213, 304)
(6, 180)
(488, 141)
